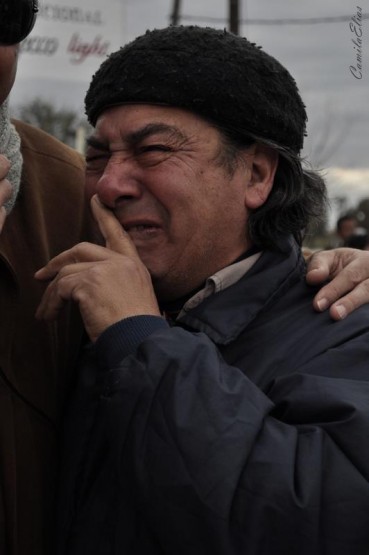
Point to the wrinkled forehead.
(128, 125)
(131, 115)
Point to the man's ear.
(262, 163)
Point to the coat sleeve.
(220, 467)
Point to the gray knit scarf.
(10, 147)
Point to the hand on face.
(108, 283)
(111, 283)
(5, 188)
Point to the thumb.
(319, 267)
(116, 239)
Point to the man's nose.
(119, 182)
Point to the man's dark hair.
(298, 197)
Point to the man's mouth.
(142, 230)
(139, 227)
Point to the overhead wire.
(284, 21)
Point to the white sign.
(70, 40)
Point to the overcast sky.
(318, 56)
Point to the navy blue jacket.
(244, 429)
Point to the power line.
(290, 21)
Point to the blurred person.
(359, 239)
(214, 411)
(42, 212)
(345, 227)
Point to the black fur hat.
(213, 73)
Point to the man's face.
(347, 228)
(158, 169)
(8, 68)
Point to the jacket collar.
(224, 315)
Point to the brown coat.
(36, 359)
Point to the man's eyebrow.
(95, 143)
(139, 135)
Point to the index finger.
(116, 239)
(82, 252)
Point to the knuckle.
(355, 275)
(314, 258)
(63, 272)
(83, 245)
(79, 249)
(355, 298)
(332, 292)
(97, 272)
(361, 292)
(365, 285)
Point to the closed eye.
(97, 162)
(154, 148)
(152, 154)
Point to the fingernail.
(322, 304)
(342, 312)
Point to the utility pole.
(174, 18)
(234, 16)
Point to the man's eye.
(152, 154)
(154, 148)
(97, 162)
